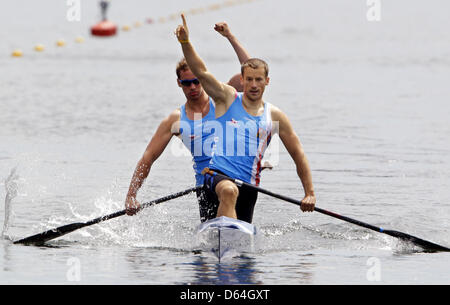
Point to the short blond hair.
(182, 66)
(255, 63)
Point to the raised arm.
(223, 29)
(242, 54)
(154, 149)
(295, 150)
(221, 93)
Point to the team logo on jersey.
(234, 122)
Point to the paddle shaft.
(423, 243)
(43, 237)
(144, 205)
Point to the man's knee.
(227, 190)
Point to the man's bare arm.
(220, 92)
(295, 150)
(241, 52)
(154, 149)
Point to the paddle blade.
(426, 245)
(41, 238)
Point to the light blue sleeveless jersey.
(240, 144)
(198, 139)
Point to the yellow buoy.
(137, 24)
(60, 43)
(39, 48)
(79, 39)
(126, 28)
(17, 53)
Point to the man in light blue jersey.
(245, 127)
(187, 123)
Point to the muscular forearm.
(304, 173)
(140, 174)
(224, 30)
(295, 149)
(241, 52)
(154, 149)
(215, 89)
(194, 61)
(219, 92)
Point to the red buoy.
(104, 28)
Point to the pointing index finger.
(184, 20)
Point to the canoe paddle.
(426, 245)
(41, 238)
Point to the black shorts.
(209, 203)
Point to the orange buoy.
(104, 28)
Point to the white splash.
(11, 187)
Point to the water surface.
(369, 101)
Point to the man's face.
(255, 82)
(192, 89)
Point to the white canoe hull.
(226, 236)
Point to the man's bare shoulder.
(175, 115)
(276, 113)
(172, 118)
(173, 121)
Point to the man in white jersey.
(198, 103)
(254, 77)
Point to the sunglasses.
(189, 82)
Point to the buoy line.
(106, 28)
